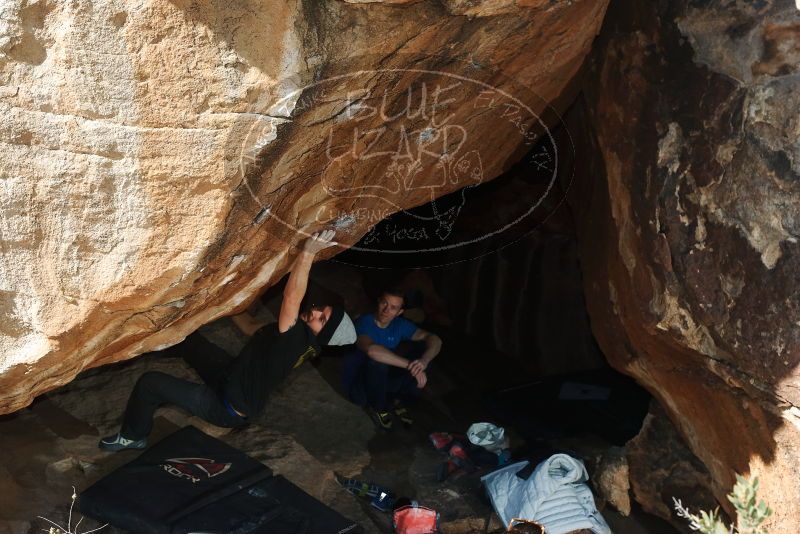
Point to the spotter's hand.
(416, 366)
(422, 379)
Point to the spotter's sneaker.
(382, 420)
(117, 443)
(402, 413)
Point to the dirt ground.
(309, 433)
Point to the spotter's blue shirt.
(398, 330)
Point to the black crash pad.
(192, 483)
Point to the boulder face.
(660, 468)
(162, 157)
(690, 245)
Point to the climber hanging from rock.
(235, 391)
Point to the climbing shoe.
(117, 443)
(382, 420)
(359, 488)
(383, 502)
(380, 498)
(402, 413)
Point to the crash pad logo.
(194, 469)
(364, 144)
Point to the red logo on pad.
(194, 469)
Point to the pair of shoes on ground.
(384, 419)
(380, 498)
(117, 443)
(359, 488)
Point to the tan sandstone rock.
(611, 480)
(660, 467)
(161, 157)
(690, 245)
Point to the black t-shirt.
(265, 362)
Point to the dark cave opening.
(518, 347)
(502, 284)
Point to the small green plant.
(749, 515)
(58, 529)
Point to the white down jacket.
(555, 495)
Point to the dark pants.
(373, 384)
(203, 400)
